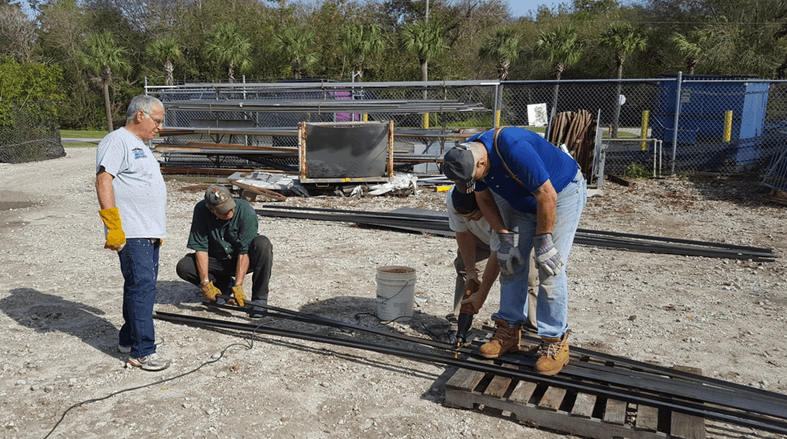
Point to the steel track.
(438, 223)
(647, 378)
(732, 415)
(577, 354)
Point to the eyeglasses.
(158, 121)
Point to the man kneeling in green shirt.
(226, 245)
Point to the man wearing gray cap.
(545, 194)
(227, 247)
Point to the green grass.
(80, 145)
(636, 171)
(83, 134)
(622, 135)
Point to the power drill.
(463, 325)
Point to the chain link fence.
(29, 136)
(725, 125)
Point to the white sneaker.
(127, 349)
(150, 362)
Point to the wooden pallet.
(568, 411)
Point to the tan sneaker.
(554, 355)
(505, 340)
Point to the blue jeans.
(552, 310)
(139, 265)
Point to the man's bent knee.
(262, 245)
(186, 267)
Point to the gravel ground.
(60, 310)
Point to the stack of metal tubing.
(436, 223)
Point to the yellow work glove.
(237, 291)
(115, 236)
(209, 291)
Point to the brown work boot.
(554, 355)
(505, 340)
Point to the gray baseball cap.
(219, 198)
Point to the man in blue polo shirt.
(546, 193)
(227, 247)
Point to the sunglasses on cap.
(466, 187)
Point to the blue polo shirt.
(531, 158)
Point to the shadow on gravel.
(176, 292)
(46, 313)
(357, 311)
(363, 311)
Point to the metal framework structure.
(703, 123)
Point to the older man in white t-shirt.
(132, 197)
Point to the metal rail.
(439, 222)
(650, 378)
(325, 106)
(736, 417)
(647, 376)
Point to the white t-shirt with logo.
(140, 192)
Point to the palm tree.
(165, 51)
(500, 48)
(359, 41)
(693, 46)
(297, 46)
(624, 41)
(225, 45)
(102, 56)
(425, 39)
(563, 49)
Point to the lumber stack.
(577, 130)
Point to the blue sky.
(520, 8)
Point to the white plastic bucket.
(395, 292)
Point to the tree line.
(104, 49)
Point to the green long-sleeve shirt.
(223, 239)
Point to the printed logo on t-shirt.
(138, 153)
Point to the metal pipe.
(583, 236)
(677, 117)
(664, 375)
(692, 408)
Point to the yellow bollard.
(727, 126)
(426, 120)
(643, 134)
(497, 118)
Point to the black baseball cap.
(464, 203)
(458, 166)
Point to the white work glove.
(547, 256)
(471, 281)
(508, 255)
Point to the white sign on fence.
(537, 115)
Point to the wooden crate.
(568, 411)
